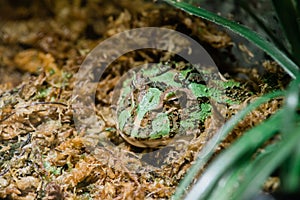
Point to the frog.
(163, 102)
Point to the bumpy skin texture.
(157, 103)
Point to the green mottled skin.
(157, 103)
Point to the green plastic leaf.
(286, 63)
(250, 141)
(208, 150)
(289, 18)
(251, 11)
(266, 165)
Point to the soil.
(42, 46)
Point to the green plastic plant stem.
(245, 5)
(250, 141)
(290, 181)
(287, 64)
(231, 177)
(252, 166)
(287, 14)
(241, 170)
(208, 150)
(291, 172)
(267, 165)
(291, 178)
(291, 105)
(297, 3)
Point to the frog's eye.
(113, 108)
(202, 100)
(170, 95)
(176, 98)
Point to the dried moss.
(41, 153)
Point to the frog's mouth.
(147, 143)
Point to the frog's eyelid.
(113, 107)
